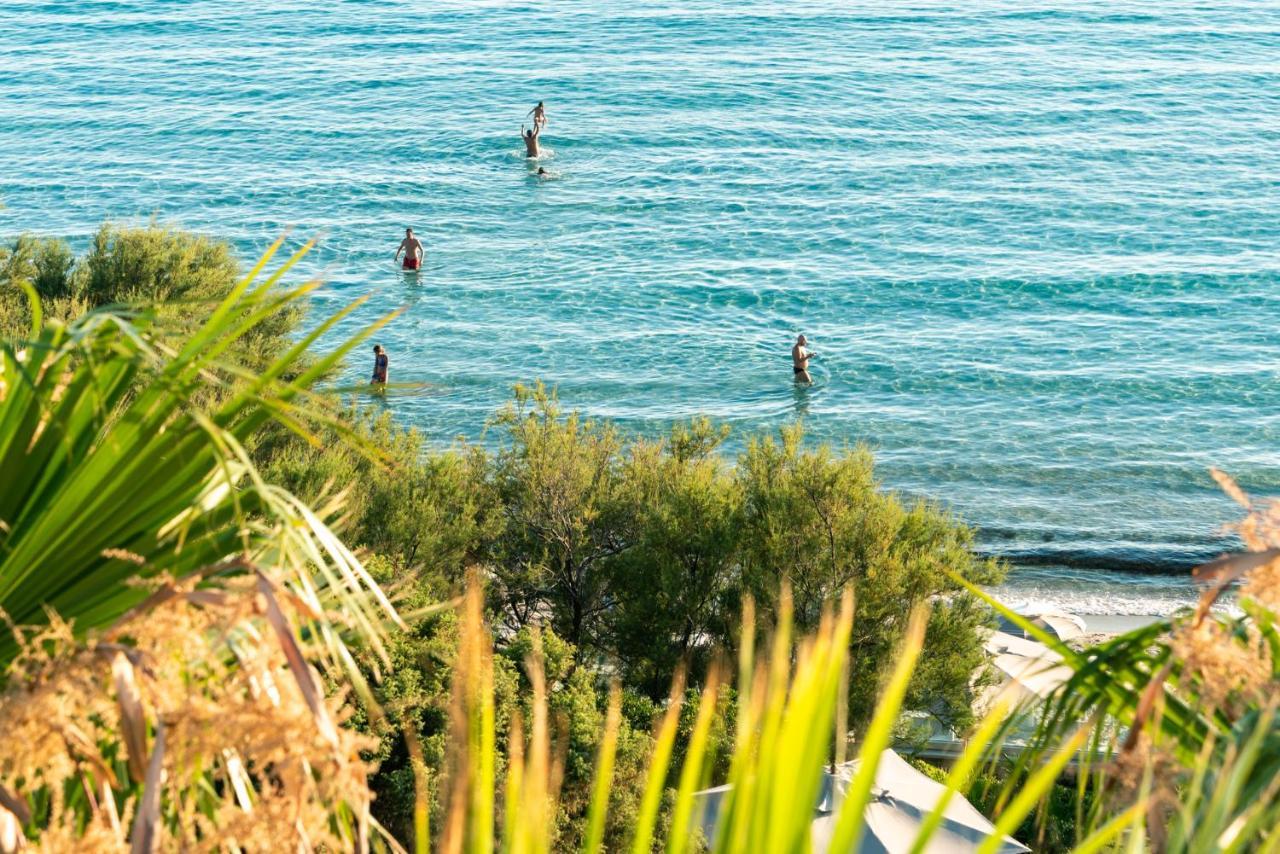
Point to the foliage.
(429, 515)
(674, 587)
(555, 481)
(180, 277)
(112, 474)
(644, 546)
(789, 712)
(142, 555)
(820, 521)
(1175, 723)
(640, 551)
(415, 697)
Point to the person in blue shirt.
(379, 365)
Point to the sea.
(1034, 243)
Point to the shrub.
(820, 521)
(180, 276)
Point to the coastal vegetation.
(170, 614)
(248, 614)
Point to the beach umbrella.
(902, 798)
(1027, 668)
(1060, 624)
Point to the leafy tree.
(557, 486)
(674, 586)
(819, 521)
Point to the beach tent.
(901, 799)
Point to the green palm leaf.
(114, 472)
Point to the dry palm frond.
(229, 765)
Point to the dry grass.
(196, 723)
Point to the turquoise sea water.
(1035, 244)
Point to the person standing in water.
(380, 365)
(539, 114)
(530, 138)
(412, 249)
(800, 356)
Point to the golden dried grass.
(197, 723)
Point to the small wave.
(1149, 561)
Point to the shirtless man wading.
(530, 138)
(412, 249)
(800, 356)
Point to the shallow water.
(1036, 248)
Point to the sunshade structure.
(902, 798)
(1027, 669)
(1060, 624)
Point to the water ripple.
(1036, 247)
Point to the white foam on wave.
(1099, 592)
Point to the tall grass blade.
(660, 759)
(850, 825)
(1035, 788)
(1104, 837)
(692, 774)
(594, 836)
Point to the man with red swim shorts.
(412, 249)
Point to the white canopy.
(1065, 626)
(1027, 668)
(902, 798)
(1060, 624)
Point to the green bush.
(675, 587)
(154, 265)
(48, 265)
(555, 478)
(180, 276)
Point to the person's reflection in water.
(800, 392)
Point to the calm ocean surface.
(1035, 243)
